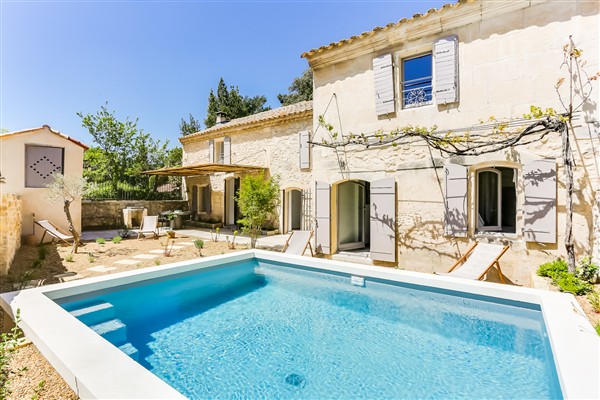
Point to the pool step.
(131, 351)
(94, 314)
(113, 330)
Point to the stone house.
(275, 141)
(451, 68)
(389, 205)
(28, 159)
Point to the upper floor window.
(219, 151)
(417, 81)
(496, 200)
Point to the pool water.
(258, 329)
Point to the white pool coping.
(96, 369)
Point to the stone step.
(352, 259)
(114, 331)
(130, 350)
(94, 314)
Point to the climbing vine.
(494, 134)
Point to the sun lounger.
(297, 243)
(476, 262)
(54, 231)
(149, 227)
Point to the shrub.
(91, 258)
(117, 239)
(587, 270)
(69, 257)
(553, 268)
(199, 243)
(36, 263)
(597, 327)
(42, 251)
(100, 240)
(568, 282)
(594, 299)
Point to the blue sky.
(158, 60)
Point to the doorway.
(292, 210)
(353, 215)
(231, 212)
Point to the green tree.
(95, 165)
(115, 138)
(301, 89)
(230, 102)
(257, 199)
(187, 127)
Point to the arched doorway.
(292, 210)
(352, 214)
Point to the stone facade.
(108, 214)
(509, 54)
(10, 229)
(270, 143)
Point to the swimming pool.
(259, 324)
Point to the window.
(219, 152)
(417, 81)
(40, 163)
(496, 200)
(204, 199)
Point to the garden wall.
(108, 214)
(10, 229)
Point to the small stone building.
(29, 157)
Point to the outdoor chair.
(476, 262)
(54, 231)
(149, 227)
(297, 243)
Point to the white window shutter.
(227, 150)
(41, 162)
(383, 74)
(211, 151)
(304, 150)
(323, 217)
(383, 220)
(456, 200)
(445, 55)
(540, 201)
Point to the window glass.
(417, 81)
(497, 200)
(219, 152)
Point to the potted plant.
(171, 217)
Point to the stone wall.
(10, 229)
(108, 214)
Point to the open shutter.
(456, 200)
(384, 84)
(446, 70)
(383, 220)
(227, 150)
(211, 151)
(194, 199)
(540, 201)
(304, 150)
(322, 217)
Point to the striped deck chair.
(297, 243)
(53, 231)
(477, 261)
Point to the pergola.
(203, 169)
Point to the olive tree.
(67, 189)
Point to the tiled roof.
(62, 135)
(281, 112)
(378, 29)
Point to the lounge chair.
(297, 243)
(476, 262)
(54, 231)
(149, 227)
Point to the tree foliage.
(258, 198)
(187, 127)
(123, 151)
(230, 102)
(301, 89)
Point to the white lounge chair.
(476, 262)
(297, 243)
(149, 227)
(54, 231)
